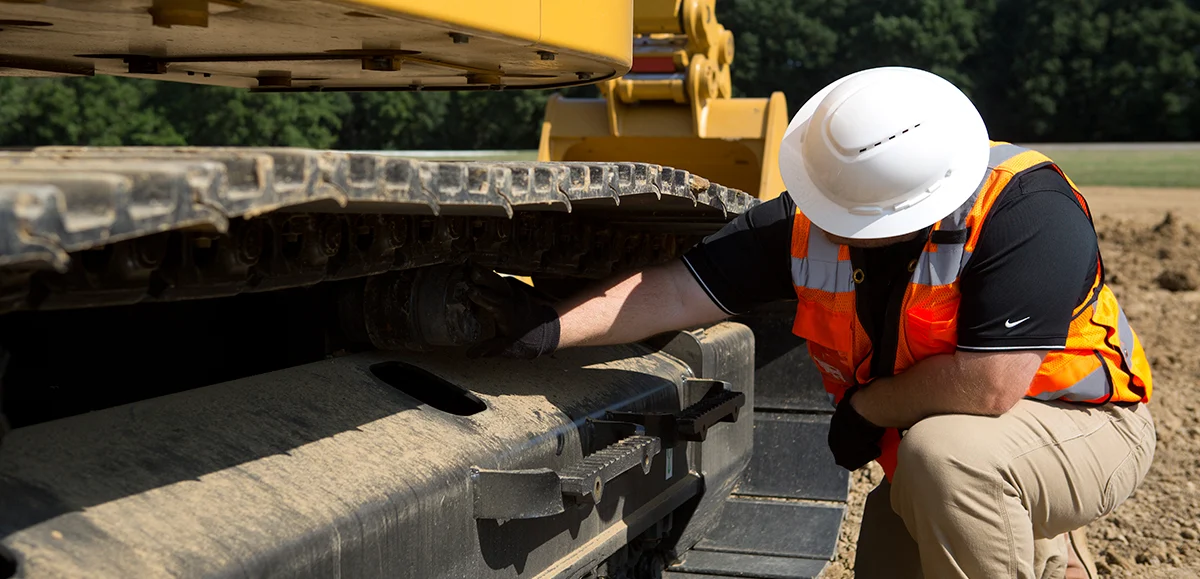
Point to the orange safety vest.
(1103, 360)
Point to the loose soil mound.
(1153, 264)
(1156, 271)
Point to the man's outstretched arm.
(744, 264)
(621, 309)
(635, 306)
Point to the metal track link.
(81, 227)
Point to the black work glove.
(853, 439)
(526, 324)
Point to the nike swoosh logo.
(1009, 324)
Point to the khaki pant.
(985, 497)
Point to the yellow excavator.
(228, 361)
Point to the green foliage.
(222, 116)
(1039, 70)
(78, 111)
(1069, 70)
(798, 46)
(393, 121)
(444, 120)
(935, 35)
(1085, 70)
(794, 46)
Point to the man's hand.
(853, 439)
(527, 326)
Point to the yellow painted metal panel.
(685, 120)
(602, 28)
(737, 119)
(771, 184)
(739, 150)
(657, 17)
(731, 163)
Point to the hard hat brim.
(838, 220)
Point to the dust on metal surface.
(323, 467)
(161, 189)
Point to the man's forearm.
(635, 306)
(961, 383)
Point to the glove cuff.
(846, 409)
(551, 330)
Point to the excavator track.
(315, 418)
(86, 227)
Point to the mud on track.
(1154, 268)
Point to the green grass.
(513, 155)
(488, 156)
(1112, 167)
(1177, 168)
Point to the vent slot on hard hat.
(869, 147)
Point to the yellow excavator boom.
(675, 106)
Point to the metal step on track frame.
(783, 517)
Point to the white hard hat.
(883, 152)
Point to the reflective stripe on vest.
(1096, 385)
(825, 268)
(943, 266)
(1091, 369)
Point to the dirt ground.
(1150, 248)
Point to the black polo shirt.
(1034, 263)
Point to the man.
(952, 295)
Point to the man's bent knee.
(947, 448)
(945, 463)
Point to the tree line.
(1039, 70)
